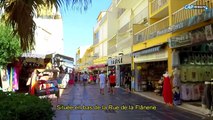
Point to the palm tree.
(20, 13)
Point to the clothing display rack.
(208, 97)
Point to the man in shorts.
(102, 79)
(112, 79)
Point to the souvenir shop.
(30, 62)
(121, 65)
(9, 77)
(65, 65)
(15, 75)
(150, 65)
(125, 69)
(192, 56)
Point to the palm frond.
(19, 14)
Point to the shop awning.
(148, 51)
(61, 56)
(91, 67)
(97, 66)
(100, 65)
(31, 55)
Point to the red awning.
(91, 67)
(100, 65)
(97, 66)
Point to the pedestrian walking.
(97, 78)
(94, 78)
(112, 79)
(108, 83)
(76, 77)
(85, 78)
(91, 78)
(71, 77)
(81, 77)
(127, 79)
(102, 79)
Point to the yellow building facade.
(77, 60)
(100, 39)
(81, 58)
(176, 34)
(149, 32)
(129, 14)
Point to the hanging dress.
(167, 91)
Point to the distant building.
(49, 32)
(79, 55)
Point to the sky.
(78, 26)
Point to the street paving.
(86, 103)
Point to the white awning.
(31, 55)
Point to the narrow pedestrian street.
(89, 95)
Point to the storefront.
(121, 65)
(193, 56)
(99, 64)
(9, 77)
(150, 65)
(95, 69)
(30, 62)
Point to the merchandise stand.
(209, 116)
(211, 82)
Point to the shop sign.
(117, 60)
(164, 31)
(158, 33)
(197, 35)
(114, 61)
(200, 35)
(126, 59)
(178, 26)
(179, 41)
(147, 51)
(157, 56)
(207, 15)
(209, 32)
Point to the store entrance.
(124, 70)
(150, 75)
(196, 66)
(25, 74)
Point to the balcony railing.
(157, 4)
(152, 31)
(140, 16)
(122, 42)
(184, 14)
(120, 12)
(111, 49)
(124, 28)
